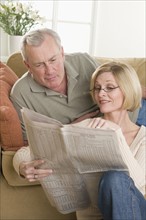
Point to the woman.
(116, 89)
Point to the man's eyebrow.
(40, 62)
(53, 56)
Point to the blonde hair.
(126, 78)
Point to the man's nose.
(48, 66)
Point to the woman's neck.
(122, 119)
(129, 129)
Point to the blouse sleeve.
(22, 155)
(134, 157)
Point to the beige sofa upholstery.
(20, 199)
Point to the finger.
(26, 168)
(31, 164)
(101, 124)
(34, 177)
(41, 176)
(37, 163)
(94, 122)
(43, 171)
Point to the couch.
(20, 199)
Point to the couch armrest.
(10, 174)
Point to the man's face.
(46, 63)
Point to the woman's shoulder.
(141, 135)
(143, 129)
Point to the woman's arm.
(28, 168)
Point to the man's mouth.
(50, 78)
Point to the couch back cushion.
(139, 64)
(15, 62)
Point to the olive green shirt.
(26, 92)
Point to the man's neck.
(63, 86)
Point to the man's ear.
(62, 53)
(28, 67)
(26, 64)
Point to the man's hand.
(32, 172)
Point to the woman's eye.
(109, 88)
(97, 88)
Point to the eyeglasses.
(106, 89)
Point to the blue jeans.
(141, 120)
(119, 199)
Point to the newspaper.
(78, 156)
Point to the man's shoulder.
(78, 55)
(21, 82)
(80, 58)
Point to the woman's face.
(107, 93)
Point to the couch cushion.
(139, 64)
(27, 203)
(7, 74)
(11, 135)
(10, 132)
(15, 62)
(12, 178)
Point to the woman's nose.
(101, 92)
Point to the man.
(56, 85)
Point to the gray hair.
(36, 38)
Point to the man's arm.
(86, 116)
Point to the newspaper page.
(76, 154)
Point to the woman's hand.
(102, 123)
(32, 172)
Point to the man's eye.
(53, 60)
(39, 65)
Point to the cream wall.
(3, 43)
(120, 29)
